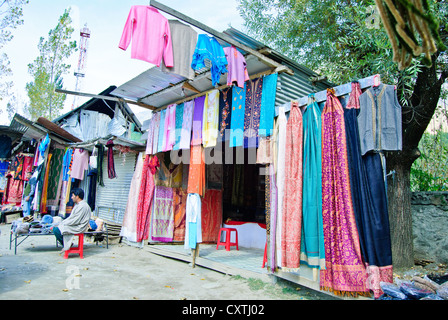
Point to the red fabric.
(292, 198)
(145, 198)
(211, 215)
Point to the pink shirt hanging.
(150, 34)
(80, 163)
(237, 70)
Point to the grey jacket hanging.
(379, 120)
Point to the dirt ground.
(123, 272)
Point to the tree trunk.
(400, 216)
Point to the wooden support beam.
(116, 99)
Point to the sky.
(106, 64)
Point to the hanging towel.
(345, 273)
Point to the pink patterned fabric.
(345, 272)
(292, 199)
(145, 197)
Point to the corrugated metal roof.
(157, 88)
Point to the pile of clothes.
(29, 225)
(418, 288)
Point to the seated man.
(77, 222)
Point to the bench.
(98, 236)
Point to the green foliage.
(11, 12)
(429, 172)
(48, 69)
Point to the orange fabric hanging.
(196, 174)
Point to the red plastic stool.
(227, 243)
(265, 256)
(79, 249)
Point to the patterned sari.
(345, 273)
(369, 201)
(292, 199)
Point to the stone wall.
(430, 226)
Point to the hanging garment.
(5, 147)
(54, 177)
(150, 34)
(237, 116)
(43, 198)
(146, 197)
(267, 109)
(184, 40)
(345, 272)
(196, 172)
(193, 221)
(187, 124)
(210, 119)
(150, 138)
(110, 160)
(198, 117)
(178, 126)
(91, 198)
(99, 164)
(162, 133)
(279, 166)
(237, 67)
(156, 129)
(27, 166)
(252, 112)
(179, 210)
(211, 215)
(80, 163)
(170, 127)
(129, 226)
(208, 48)
(292, 198)
(369, 201)
(273, 218)
(225, 101)
(162, 225)
(265, 150)
(379, 119)
(312, 247)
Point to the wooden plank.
(116, 99)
